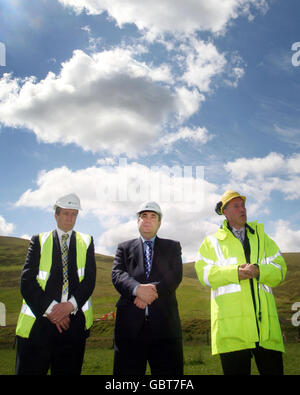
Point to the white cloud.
(289, 135)
(6, 228)
(235, 70)
(177, 17)
(195, 135)
(113, 102)
(203, 62)
(256, 167)
(262, 176)
(106, 162)
(108, 101)
(188, 101)
(204, 67)
(236, 74)
(285, 237)
(26, 237)
(113, 193)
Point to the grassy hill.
(192, 297)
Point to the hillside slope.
(193, 298)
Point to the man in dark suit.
(147, 325)
(57, 282)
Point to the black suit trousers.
(59, 357)
(165, 355)
(268, 362)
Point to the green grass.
(198, 360)
(194, 307)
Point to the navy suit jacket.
(38, 300)
(166, 273)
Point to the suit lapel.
(72, 247)
(56, 249)
(155, 257)
(138, 251)
(138, 254)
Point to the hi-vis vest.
(235, 323)
(26, 317)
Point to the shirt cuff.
(134, 290)
(48, 311)
(74, 303)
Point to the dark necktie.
(148, 257)
(64, 257)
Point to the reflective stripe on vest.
(269, 261)
(26, 317)
(221, 261)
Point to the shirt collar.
(242, 230)
(61, 232)
(152, 240)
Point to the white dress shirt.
(241, 232)
(64, 298)
(135, 288)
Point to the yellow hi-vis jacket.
(27, 318)
(235, 325)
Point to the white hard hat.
(150, 206)
(68, 201)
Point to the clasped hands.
(247, 270)
(145, 294)
(60, 315)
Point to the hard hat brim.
(150, 206)
(69, 208)
(231, 197)
(70, 201)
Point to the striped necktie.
(148, 256)
(64, 257)
(239, 235)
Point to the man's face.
(236, 213)
(66, 219)
(148, 224)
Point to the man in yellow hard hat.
(240, 263)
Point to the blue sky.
(87, 87)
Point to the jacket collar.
(223, 232)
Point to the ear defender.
(218, 208)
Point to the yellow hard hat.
(226, 197)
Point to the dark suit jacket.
(39, 300)
(166, 273)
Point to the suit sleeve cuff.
(49, 309)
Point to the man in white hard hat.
(57, 282)
(241, 263)
(146, 272)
